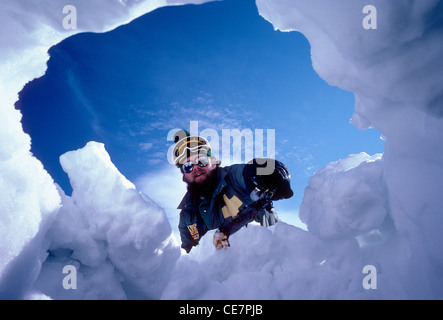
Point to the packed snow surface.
(383, 211)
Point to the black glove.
(257, 176)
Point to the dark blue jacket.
(199, 215)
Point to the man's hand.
(220, 240)
(278, 180)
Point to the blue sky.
(220, 64)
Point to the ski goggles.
(188, 166)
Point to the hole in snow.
(223, 66)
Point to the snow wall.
(383, 211)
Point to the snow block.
(345, 198)
(29, 203)
(108, 225)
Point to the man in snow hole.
(216, 193)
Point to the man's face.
(199, 174)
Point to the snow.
(394, 73)
(29, 198)
(380, 210)
(108, 225)
(158, 186)
(346, 197)
(282, 262)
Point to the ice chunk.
(346, 198)
(29, 203)
(107, 223)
